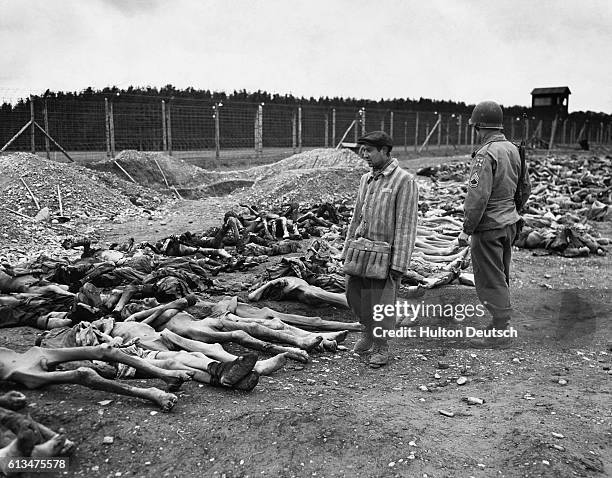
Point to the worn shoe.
(380, 355)
(364, 344)
(491, 342)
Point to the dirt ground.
(546, 409)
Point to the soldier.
(491, 215)
(385, 210)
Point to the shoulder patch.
(474, 180)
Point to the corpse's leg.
(316, 323)
(89, 378)
(216, 351)
(206, 330)
(265, 333)
(329, 342)
(104, 352)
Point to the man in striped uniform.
(386, 210)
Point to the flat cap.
(377, 139)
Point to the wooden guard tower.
(550, 103)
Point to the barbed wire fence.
(204, 130)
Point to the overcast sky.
(446, 49)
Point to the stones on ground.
(423, 388)
(562, 382)
(108, 440)
(473, 400)
(557, 435)
(437, 376)
(443, 365)
(446, 413)
(461, 381)
(43, 215)
(105, 402)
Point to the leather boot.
(380, 354)
(497, 324)
(365, 342)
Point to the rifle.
(518, 195)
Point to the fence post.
(382, 124)
(107, 128)
(363, 122)
(601, 132)
(526, 129)
(416, 131)
(391, 124)
(405, 136)
(111, 127)
(169, 126)
(448, 121)
(573, 133)
(426, 135)
(472, 138)
(260, 128)
(217, 109)
(467, 133)
(294, 131)
(440, 130)
(459, 129)
(326, 130)
(563, 141)
(164, 129)
(46, 120)
(553, 131)
(333, 126)
(32, 127)
(300, 129)
(256, 132)
(512, 127)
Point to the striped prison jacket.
(386, 210)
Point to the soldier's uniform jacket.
(492, 183)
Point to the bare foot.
(310, 343)
(13, 400)
(339, 336)
(297, 354)
(165, 400)
(268, 366)
(176, 378)
(51, 447)
(328, 346)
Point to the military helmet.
(487, 114)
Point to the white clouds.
(464, 51)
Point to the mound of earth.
(143, 168)
(286, 179)
(316, 158)
(86, 196)
(307, 186)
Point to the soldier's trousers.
(364, 294)
(491, 255)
